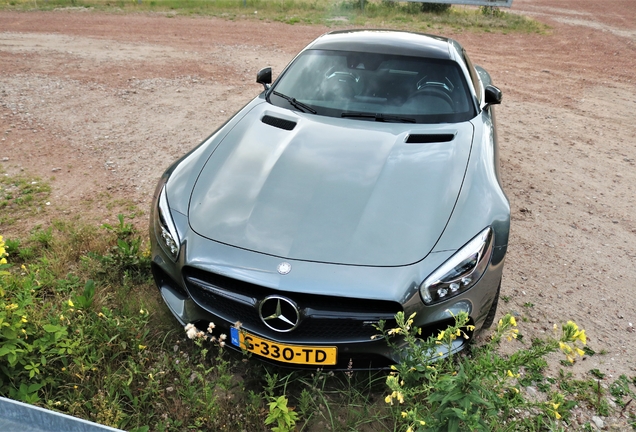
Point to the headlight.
(164, 227)
(461, 271)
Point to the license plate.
(296, 354)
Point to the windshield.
(376, 87)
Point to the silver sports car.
(364, 181)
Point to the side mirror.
(264, 76)
(493, 95)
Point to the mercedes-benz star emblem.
(279, 313)
(284, 268)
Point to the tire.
(490, 318)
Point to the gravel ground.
(100, 104)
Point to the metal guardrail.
(493, 3)
(20, 417)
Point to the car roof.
(387, 42)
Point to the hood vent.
(278, 122)
(429, 138)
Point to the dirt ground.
(101, 104)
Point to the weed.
(476, 392)
(491, 11)
(621, 389)
(281, 415)
(597, 373)
(126, 260)
(21, 196)
(103, 347)
(373, 13)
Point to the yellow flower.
(410, 429)
(404, 414)
(422, 422)
(388, 399)
(142, 347)
(391, 380)
(513, 321)
(3, 251)
(63, 369)
(70, 303)
(510, 374)
(440, 336)
(581, 336)
(565, 348)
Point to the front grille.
(325, 319)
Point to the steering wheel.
(342, 83)
(435, 91)
(344, 76)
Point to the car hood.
(330, 190)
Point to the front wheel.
(490, 318)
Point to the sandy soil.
(100, 104)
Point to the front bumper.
(200, 290)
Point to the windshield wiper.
(296, 104)
(379, 117)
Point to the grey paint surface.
(332, 190)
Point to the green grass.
(375, 13)
(84, 331)
(21, 196)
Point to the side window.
(473, 75)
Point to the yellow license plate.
(296, 354)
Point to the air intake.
(278, 122)
(429, 138)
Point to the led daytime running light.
(461, 271)
(168, 238)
